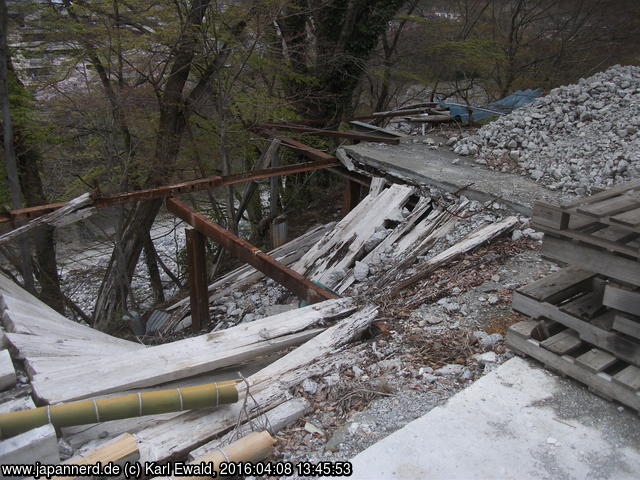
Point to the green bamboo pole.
(119, 407)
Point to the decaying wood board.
(340, 247)
(269, 388)
(473, 240)
(622, 299)
(39, 444)
(24, 313)
(623, 386)
(74, 211)
(625, 348)
(274, 420)
(187, 357)
(118, 450)
(593, 259)
(7, 372)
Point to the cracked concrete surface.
(517, 422)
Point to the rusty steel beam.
(353, 176)
(177, 189)
(198, 285)
(352, 193)
(318, 155)
(361, 137)
(306, 150)
(288, 278)
(213, 182)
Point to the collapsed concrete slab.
(518, 422)
(418, 164)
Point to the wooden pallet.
(561, 350)
(613, 265)
(573, 298)
(609, 220)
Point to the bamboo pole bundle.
(251, 448)
(119, 407)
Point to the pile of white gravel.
(577, 137)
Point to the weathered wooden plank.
(192, 356)
(269, 388)
(411, 238)
(561, 343)
(37, 445)
(340, 247)
(596, 240)
(7, 371)
(548, 215)
(559, 285)
(21, 403)
(628, 377)
(28, 346)
(629, 219)
(586, 306)
(31, 312)
(627, 326)
(592, 259)
(74, 211)
(599, 382)
(596, 360)
(604, 195)
(622, 299)
(473, 240)
(118, 450)
(611, 206)
(625, 348)
(274, 420)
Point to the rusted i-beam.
(198, 286)
(179, 188)
(288, 278)
(317, 155)
(361, 137)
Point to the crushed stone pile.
(578, 137)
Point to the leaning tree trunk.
(175, 108)
(114, 290)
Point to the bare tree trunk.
(114, 290)
(150, 256)
(175, 108)
(9, 153)
(43, 238)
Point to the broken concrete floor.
(519, 421)
(432, 165)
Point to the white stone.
(361, 271)
(310, 386)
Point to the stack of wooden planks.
(586, 317)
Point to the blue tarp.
(500, 107)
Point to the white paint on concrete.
(518, 422)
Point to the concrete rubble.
(577, 137)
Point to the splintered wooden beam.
(288, 278)
(71, 212)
